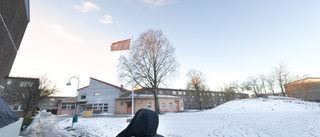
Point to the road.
(45, 126)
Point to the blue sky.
(227, 40)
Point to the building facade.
(17, 89)
(14, 18)
(123, 105)
(306, 89)
(51, 103)
(192, 99)
(66, 106)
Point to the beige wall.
(143, 103)
(65, 111)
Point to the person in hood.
(144, 124)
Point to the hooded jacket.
(144, 124)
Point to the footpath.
(45, 125)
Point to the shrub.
(26, 122)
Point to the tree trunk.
(156, 101)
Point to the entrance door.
(129, 109)
(177, 105)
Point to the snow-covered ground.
(272, 117)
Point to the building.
(166, 103)
(50, 103)
(103, 97)
(191, 98)
(99, 97)
(306, 89)
(18, 88)
(66, 106)
(14, 18)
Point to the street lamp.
(75, 103)
(69, 84)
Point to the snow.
(275, 116)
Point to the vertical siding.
(107, 94)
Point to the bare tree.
(281, 76)
(229, 92)
(256, 85)
(29, 93)
(196, 81)
(150, 62)
(271, 83)
(240, 88)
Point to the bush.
(26, 122)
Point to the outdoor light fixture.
(75, 118)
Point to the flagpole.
(132, 104)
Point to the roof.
(144, 96)
(310, 79)
(72, 99)
(146, 88)
(101, 82)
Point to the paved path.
(45, 126)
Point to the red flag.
(121, 45)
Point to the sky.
(227, 40)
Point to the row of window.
(22, 84)
(191, 93)
(210, 99)
(202, 105)
(85, 95)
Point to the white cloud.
(107, 19)
(86, 7)
(157, 3)
(58, 30)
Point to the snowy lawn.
(281, 117)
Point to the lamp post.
(75, 103)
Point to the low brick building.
(66, 106)
(123, 105)
(191, 98)
(306, 89)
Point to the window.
(163, 104)
(97, 94)
(174, 92)
(184, 93)
(149, 105)
(121, 104)
(67, 106)
(200, 94)
(15, 107)
(83, 96)
(26, 84)
(9, 82)
(4, 94)
(170, 104)
(179, 93)
(100, 107)
(160, 92)
(212, 94)
(51, 99)
(191, 99)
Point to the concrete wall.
(15, 19)
(12, 130)
(107, 94)
(143, 103)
